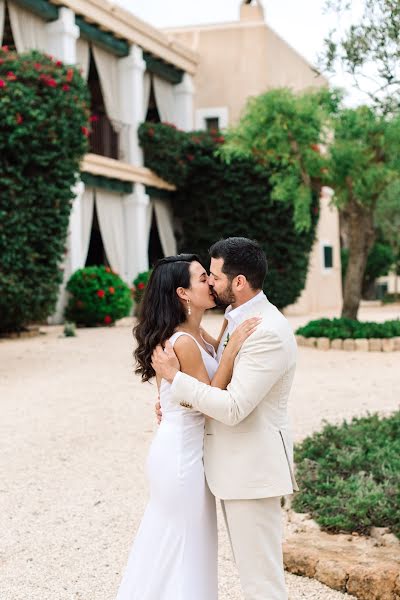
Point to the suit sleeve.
(260, 363)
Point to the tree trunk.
(361, 236)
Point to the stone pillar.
(131, 71)
(184, 92)
(62, 36)
(136, 207)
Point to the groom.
(247, 446)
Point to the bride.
(174, 555)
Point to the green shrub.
(388, 298)
(349, 475)
(98, 296)
(44, 114)
(139, 285)
(215, 199)
(349, 328)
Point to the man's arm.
(261, 362)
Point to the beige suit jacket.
(248, 446)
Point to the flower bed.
(349, 334)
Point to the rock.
(323, 343)
(332, 573)
(362, 345)
(310, 342)
(372, 582)
(337, 344)
(349, 345)
(300, 339)
(387, 345)
(300, 564)
(384, 536)
(375, 345)
(396, 341)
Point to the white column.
(136, 214)
(131, 70)
(62, 36)
(184, 92)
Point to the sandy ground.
(75, 426)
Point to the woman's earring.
(189, 309)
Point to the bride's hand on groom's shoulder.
(241, 333)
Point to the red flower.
(19, 118)
(100, 293)
(220, 139)
(315, 147)
(51, 82)
(141, 286)
(151, 132)
(70, 74)
(111, 290)
(37, 66)
(107, 319)
(85, 131)
(59, 63)
(4, 48)
(65, 87)
(93, 118)
(11, 76)
(2, 83)
(315, 210)
(190, 157)
(108, 270)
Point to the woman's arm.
(210, 340)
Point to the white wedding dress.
(174, 555)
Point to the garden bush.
(139, 285)
(215, 199)
(349, 475)
(44, 116)
(349, 328)
(98, 296)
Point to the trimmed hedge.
(344, 328)
(44, 116)
(98, 296)
(349, 475)
(216, 199)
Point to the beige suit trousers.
(255, 530)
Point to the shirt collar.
(233, 314)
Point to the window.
(212, 123)
(328, 256)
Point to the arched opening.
(96, 254)
(152, 115)
(8, 38)
(155, 251)
(103, 138)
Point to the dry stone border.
(351, 345)
(365, 567)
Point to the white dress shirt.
(232, 315)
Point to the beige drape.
(110, 213)
(2, 14)
(83, 56)
(164, 218)
(107, 68)
(165, 100)
(29, 31)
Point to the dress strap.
(178, 334)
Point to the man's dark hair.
(242, 257)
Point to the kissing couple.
(224, 428)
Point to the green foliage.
(69, 330)
(139, 285)
(44, 116)
(98, 296)
(368, 49)
(349, 475)
(344, 328)
(389, 298)
(388, 219)
(285, 132)
(215, 199)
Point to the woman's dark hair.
(242, 257)
(161, 310)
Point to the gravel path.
(75, 427)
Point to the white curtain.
(83, 56)
(87, 205)
(164, 218)
(165, 99)
(146, 93)
(110, 212)
(29, 31)
(107, 67)
(2, 13)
